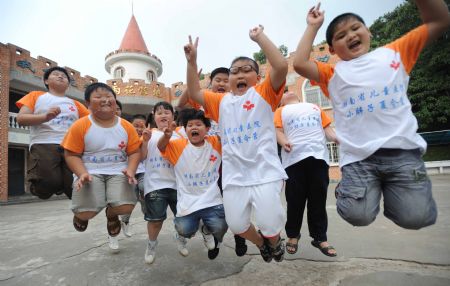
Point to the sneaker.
(265, 249)
(181, 244)
(212, 253)
(278, 250)
(208, 240)
(126, 229)
(150, 251)
(241, 247)
(113, 242)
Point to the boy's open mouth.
(221, 90)
(194, 133)
(241, 85)
(354, 45)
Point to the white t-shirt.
(369, 96)
(303, 125)
(196, 172)
(103, 150)
(159, 173)
(249, 147)
(53, 131)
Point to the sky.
(79, 34)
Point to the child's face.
(118, 111)
(242, 76)
(163, 117)
(220, 83)
(102, 103)
(196, 131)
(139, 125)
(57, 79)
(351, 39)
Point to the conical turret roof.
(133, 40)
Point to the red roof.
(133, 39)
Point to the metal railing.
(13, 122)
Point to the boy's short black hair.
(119, 104)
(194, 114)
(219, 70)
(331, 29)
(163, 104)
(94, 86)
(139, 116)
(255, 64)
(50, 70)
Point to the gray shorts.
(113, 190)
(401, 177)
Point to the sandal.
(292, 248)
(325, 250)
(113, 224)
(79, 224)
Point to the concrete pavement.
(40, 247)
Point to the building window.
(334, 153)
(119, 72)
(151, 76)
(314, 95)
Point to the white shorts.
(265, 199)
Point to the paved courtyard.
(40, 247)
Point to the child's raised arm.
(193, 86)
(302, 64)
(146, 136)
(277, 61)
(164, 140)
(435, 14)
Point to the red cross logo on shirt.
(122, 145)
(71, 108)
(248, 105)
(212, 158)
(395, 65)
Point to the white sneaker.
(113, 243)
(181, 244)
(126, 229)
(150, 251)
(208, 240)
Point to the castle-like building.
(134, 73)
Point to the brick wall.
(4, 121)
(21, 60)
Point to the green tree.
(260, 57)
(429, 86)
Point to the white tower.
(133, 60)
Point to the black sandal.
(79, 224)
(325, 250)
(292, 245)
(113, 224)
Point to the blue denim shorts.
(156, 203)
(397, 175)
(213, 219)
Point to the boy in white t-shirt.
(219, 84)
(252, 172)
(49, 115)
(103, 152)
(302, 129)
(159, 181)
(380, 150)
(196, 161)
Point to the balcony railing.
(13, 122)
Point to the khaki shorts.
(113, 190)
